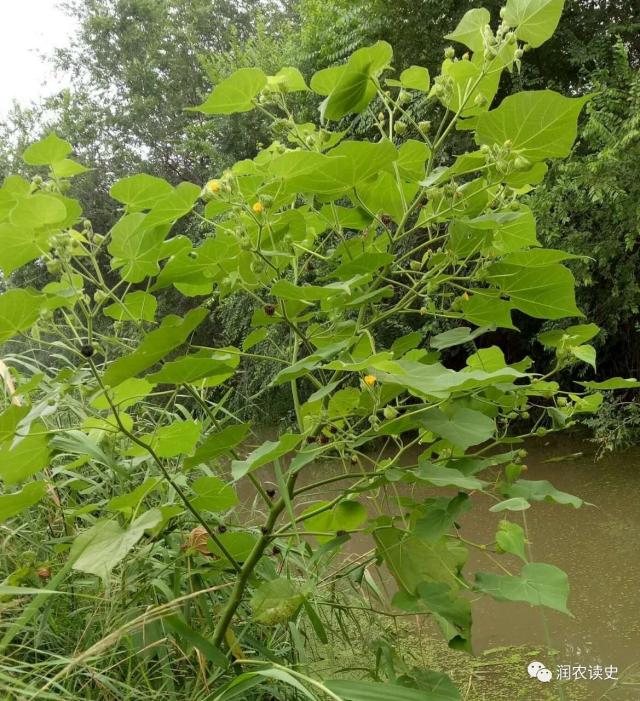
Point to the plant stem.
(163, 469)
(248, 566)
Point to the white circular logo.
(544, 675)
(534, 668)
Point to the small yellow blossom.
(213, 186)
(465, 296)
(370, 380)
(257, 208)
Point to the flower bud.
(390, 413)
(522, 163)
(480, 100)
(54, 266)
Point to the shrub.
(119, 429)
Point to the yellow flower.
(370, 380)
(213, 186)
(465, 296)
(257, 208)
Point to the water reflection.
(597, 545)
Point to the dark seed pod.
(340, 533)
(87, 350)
(222, 528)
(275, 550)
(322, 439)
(269, 309)
(271, 493)
(264, 530)
(457, 525)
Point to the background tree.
(135, 64)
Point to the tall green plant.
(332, 238)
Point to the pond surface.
(598, 546)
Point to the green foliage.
(330, 238)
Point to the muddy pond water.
(598, 546)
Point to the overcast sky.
(28, 29)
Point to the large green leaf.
(191, 270)
(385, 195)
(178, 203)
(515, 504)
(213, 494)
(67, 168)
(455, 337)
(470, 29)
(47, 151)
(354, 87)
(440, 513)
(135, 306)
(613, 383)
(435, 380)
(275, 601)
(541, 490)
(365, 159)
(135, 247)
(412, 156)
(103, 546)
(236, 93)
(38, 210)
(539, 124)
(19, 309)
(177, 438)
(546, 292)
(510, 538)
(571, 336)
(217, 444)
(538, 584)
(15, 503)
(535, 20)
(463, 427)
(485, 308)
(125, 395)
(130, 501)
(9, 420)
(468, 80)
(287, 79)
(440, 476)
(211, 365)
(451, 611)
(172, 333)
(345, 516)
(19, 246)
(415, 78)
(238, 544)
(29, 455)
(309, 171)
(140, 191)
(266, 453)
(413, 560)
